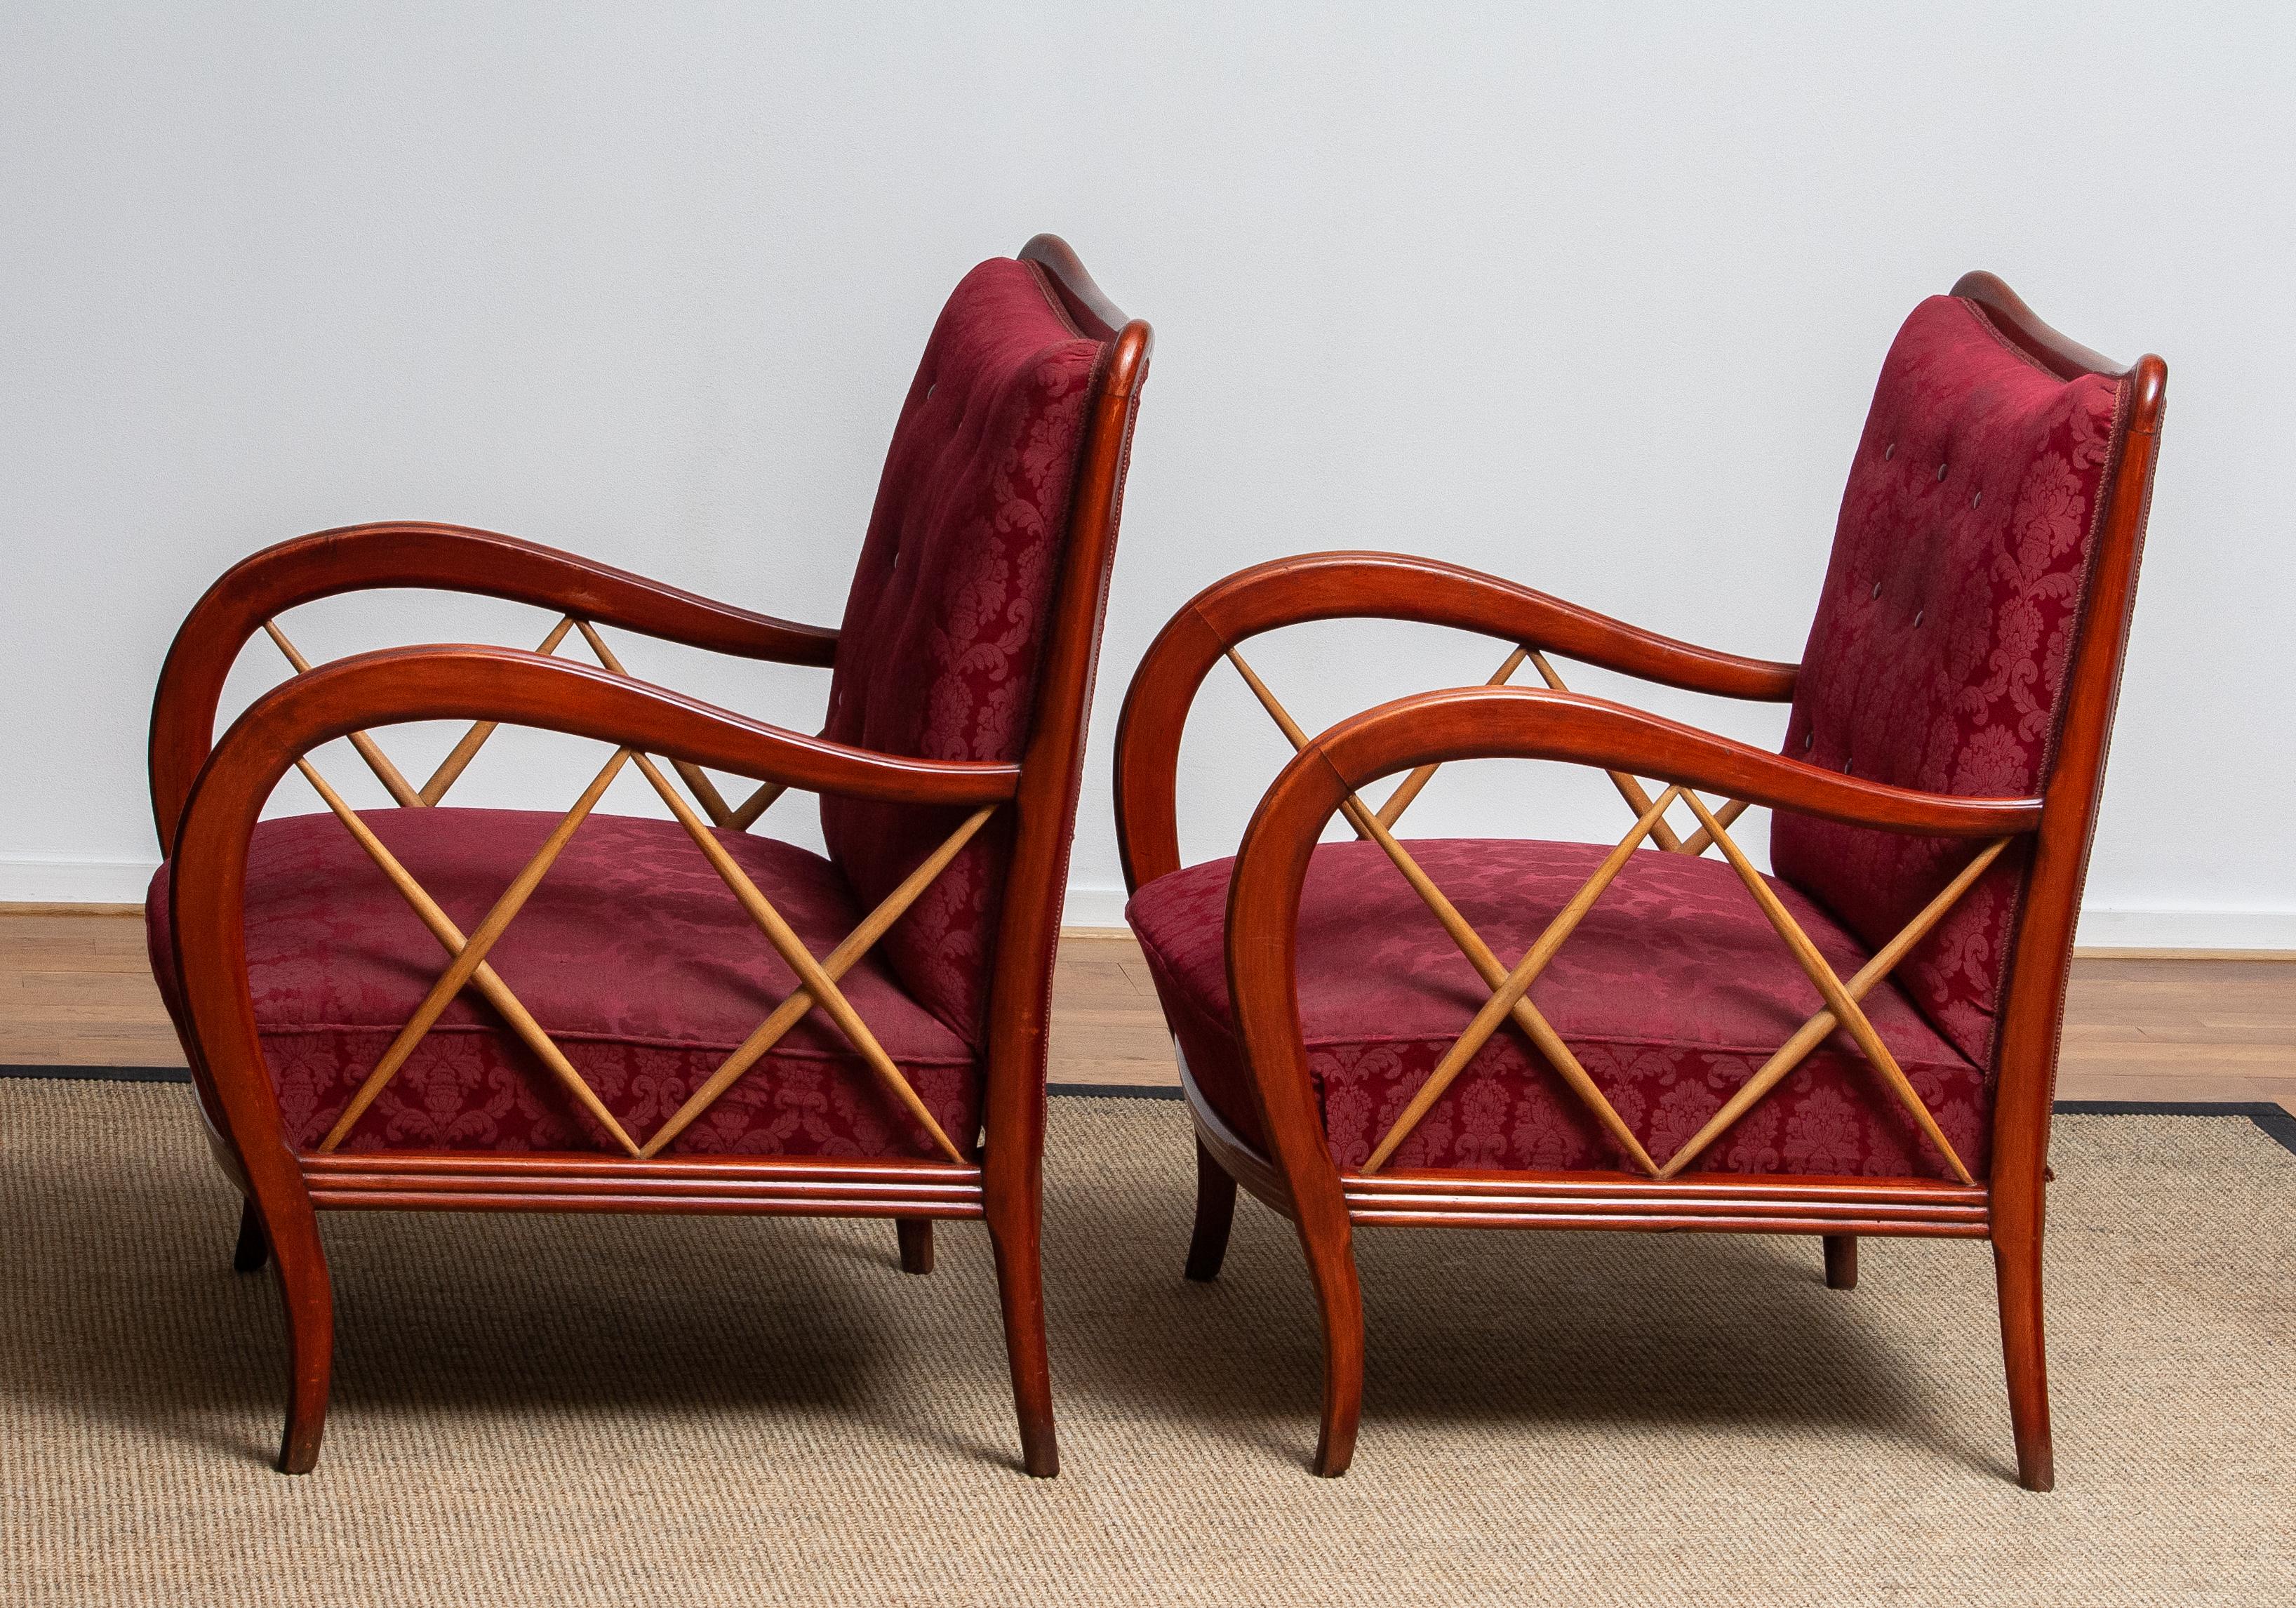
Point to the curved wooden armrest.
(1372, 586)
(1525, 723)
(438, 557)
(1398, 585)
(461, 682)
(1534, 723)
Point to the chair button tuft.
(1889, 452)
(1876, 591)
(1940, 471)
(1976, 497)
(1806, 739)
(1918, 615)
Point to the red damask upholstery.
(633, 956)
(937, 654)
(1939, 652)
(1673, 991)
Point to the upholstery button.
(1845, 766)
(1940, 471)
(1877, 590)
(1806, 738)
(931, 389)
(1976, 497)
(1918, 615)
(1889, 452)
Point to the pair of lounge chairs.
(427, 1007)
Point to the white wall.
(1593, 298)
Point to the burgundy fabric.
(938, 654)
(1939, 649)
(632, 955)
(1671, 993)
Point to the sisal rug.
(621, 1410)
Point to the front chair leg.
(1214, 1214)
(916, 1235)
(308, 1297)
(252, 1251)
(1842, 1261)
(2017, 1271)
(1015, 1234)
(1339, 1297)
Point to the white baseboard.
(1094, 907)
(30, 880)
(2100, 929)
(2187, 929)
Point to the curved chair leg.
(1214, 1214)
(2017, 1271)
(917, 1243)
(253, 1250)
(1332, 1263)
(309, 1298)
(1842, 1261)
(1015, 1222)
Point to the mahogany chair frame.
(1295, 1173)
(207, 796)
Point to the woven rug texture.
(535, 1409)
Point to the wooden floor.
(75, 991)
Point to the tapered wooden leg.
(1842, 1261)
(1214, 1214)
(253, 1250)
(1331, 1264)
(308, 1297)
(2017, 1271)
(1014, 1232)
(917, 1243)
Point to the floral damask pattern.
(939, 652)
(1941, 640)
(1672, 992)
(632, 955)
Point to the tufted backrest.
(946, 624)
(1938, 654)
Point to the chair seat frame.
(208, 796)
(1293, 1170)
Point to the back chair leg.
(252, 1251)
(1332, 1263)
(1214, 1214)
(1842, 1261)
(1015, 1223)
(2017, 1271)
(917, 1243)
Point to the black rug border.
(2278, 1124)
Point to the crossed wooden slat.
(741, 816)
(1478, 955)
(1509, 998)
(467, 963)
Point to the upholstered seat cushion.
(633, 955)
(1672, 992)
